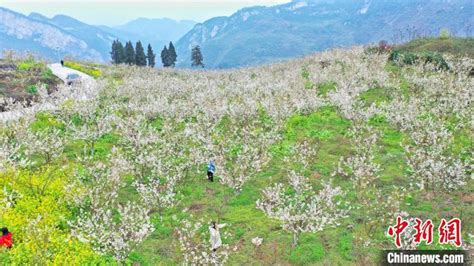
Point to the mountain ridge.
(62, 35)
(156, 31)
(255, 35)
(250, 36)
(32, 35)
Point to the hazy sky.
(116, 12)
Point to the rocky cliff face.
(25, 34)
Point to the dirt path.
(62, 72)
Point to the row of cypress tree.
(168, 56)
(132, 55)
(136, 55)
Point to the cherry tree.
(156, 164)
(427, 156)
(298, 206)
(46, 144)
(375, 207)
(88, 121)
(360, 167)
(97, 224)
(196, 248)
(251, 155)
(303, 210)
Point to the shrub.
(394, 55)
(436, 59)
(47, 74)
(444, 33)
(31, 89)
(30, 64)
(409, 58)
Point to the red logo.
(424, 231)
(449, 232)
(397, 230)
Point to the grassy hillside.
(451, 45)
(121, 177)
(21, 79)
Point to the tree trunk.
(295, 238)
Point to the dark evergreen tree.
(129, 53)
(165, 58)
(150, 56)
(196, 56)
(140, 57)
(172, 54)
(120, 53)
(114, 53)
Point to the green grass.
(30, 64)
(324, 88)
(90, 70)
(376, 96)
(46, 121)
(305, 75)
(308, 252)
(47, 75)
(452, 45)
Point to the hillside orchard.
(314, 161)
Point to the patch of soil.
(196, 207)
(210, 191)
(468, 198)
(316, 175)
(14, 83)
(429, 195)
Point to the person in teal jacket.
(211, 168)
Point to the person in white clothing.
(215, 235)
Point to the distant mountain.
(263, 34)
(65, 36)
(94, 37)
(157, 32)
(38, 35)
